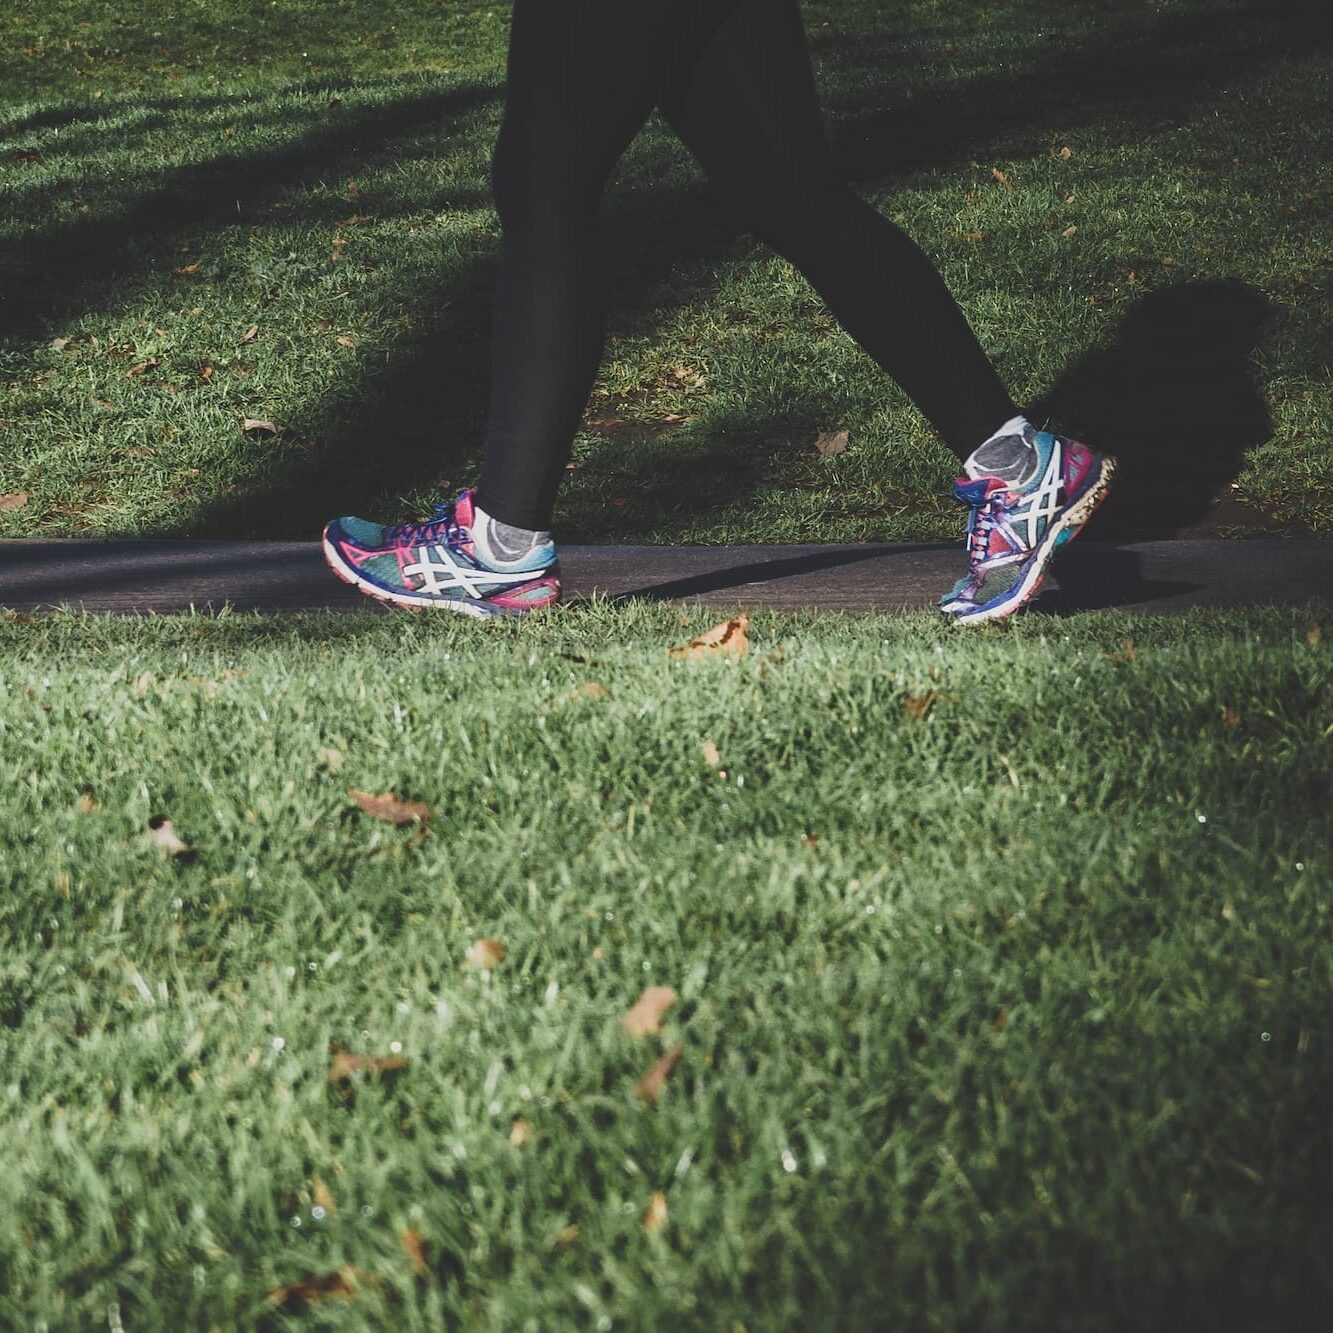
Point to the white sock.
(501, 544)
(1009, 454)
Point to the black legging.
(733, 79)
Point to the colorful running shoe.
(1013, 533)
(435, 564)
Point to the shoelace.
(984, 517)
(444, 525)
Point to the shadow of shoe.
(1174, 398)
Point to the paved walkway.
(1154, 576)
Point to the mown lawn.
(1002, 963)
(213, 212)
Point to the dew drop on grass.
(1203, 819)
(278, 1043)
(367, 1210)
(296, 1221)
(396, 1047)
(289, 970)
(319, 1213)
(788, 1161)
(1265, 1036)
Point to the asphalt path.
(152, 576)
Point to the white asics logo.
(443, 573)
(1042, 503)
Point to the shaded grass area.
(176, 176)
(1011, 1015)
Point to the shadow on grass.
(403, 434)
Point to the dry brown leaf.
(1002, 178)
(415, 1248)
(651, 1084)
(917, 706)
(14, 500)
(568, 1235)
(831, 442)
(1065, 153)
(1127, 653)
(484, 955)
(1230, 718)
(1070, 230)
(1001, 1019)
(389, 808)
(592, 690)
(331, 759)
(520, 1132)
(344, 1064)
(250, 334)
(344, 341)
(322, 1196)
(249, 424)
(645, 1016)
(1312, 638)
(730, 636)
(59, 344)
(972, 235)
(150, 364)
(341, 1282)
(163, 836)
(87, 802)
(710, 754)
(655, 1215)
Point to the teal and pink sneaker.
(1013, 533)
(435, 564)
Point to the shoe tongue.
(464, 511)
(975, 492)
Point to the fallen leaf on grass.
(143, 366)
(322, 1196)
(415, 1248)
(710, 755)
(520, 1132)
(250, 334)
(484, 955)
(730, 636)
(568, 1235)
(917, 706)
(1065, 153)
(59, 344)
(205, 372)
(1230, 718)
(344, 341)
(184, 270)
(655, 1215)
(651, 1084)
(1070, 230)
(342, 1282)
(645, 1016)
(164, 837)
(971, 235)
(14, 500)
(87, 802)
(1127, 653)
(592, 690)
(344, 1064)
(249, 424)
(832, 442)
(1002, 178)
(1312, 638)
(389, 808)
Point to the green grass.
(221, 140)
(1013, 1017)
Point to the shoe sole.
(1064, 530)
(478, 610)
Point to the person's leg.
(583, 76)
(747, 110)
